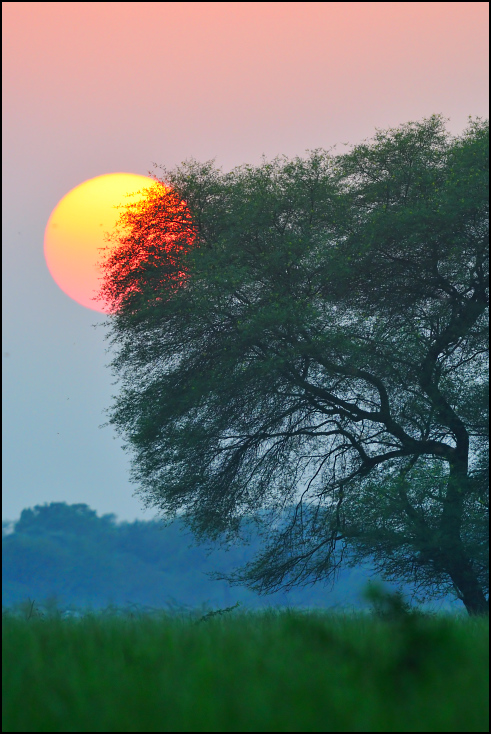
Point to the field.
(241, 671)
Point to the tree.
(314, 358)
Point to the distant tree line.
(69, 553)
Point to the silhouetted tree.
(314, 356)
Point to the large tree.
(304, 343)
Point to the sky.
(99, 87)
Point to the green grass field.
(272, 671)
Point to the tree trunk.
(455, 559)
(468, 586)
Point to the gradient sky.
(99, 87)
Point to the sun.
(74, 235)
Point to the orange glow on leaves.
(152, 238)
(106, 239)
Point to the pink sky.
(98, 87)
(233, 80)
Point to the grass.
(238, 671)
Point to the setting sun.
(74, 235)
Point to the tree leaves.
(330, 327)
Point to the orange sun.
(75, 231)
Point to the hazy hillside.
(68, 552)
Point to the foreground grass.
(273, 671)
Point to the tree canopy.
(304, 342)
